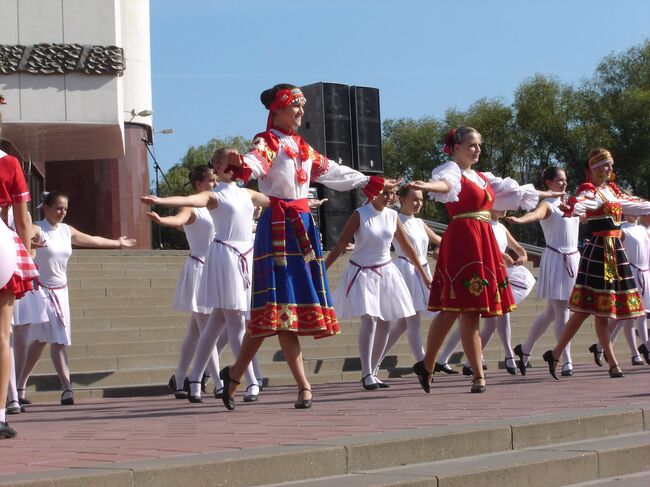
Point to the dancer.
(474, 281)
(291, 295)
(636, 243)
(605, 285)
(372, 288)
(644, 348)
(52, 262)
(557, 271)
(521, 282)
(420, 235)
(199, 231)
(18, 266)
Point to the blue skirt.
(295, 297)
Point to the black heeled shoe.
(251, 397)
(178, 393)
(519, 352)
(444, 368)
(6, 431)
(424, 376)
(204, 383)
(381, 384)
(26, 401)
(510, 370)
(228, 400)
(643, 350)
(467, 370)
(302, 403)
(68, 401)
(615, 375)
(551, 361)
(369, 387)
(597, 355)
(476, 387)
(187, 388)
(637, 360)
(218, 393)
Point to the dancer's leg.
(539, 326)
(438, 330)
(212, 366)
(290, 346)
(561, 312)
(186, 352)
(379, 344)
(12, 392)
(205, 349)
(365, 340)
(59, 358)
(34, 352)
(453, 340)
(504, 331)
(6, 310)
(571, 328)
(236, 323)
(21, 345)
(414, 335)
(396, 331)
(249, 347)
(630, 338)
(471, 340)
(602, 331)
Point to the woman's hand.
(126, 242)
(520, 260)
(390, 184)
(153, 216)
(513, 219)
(150, 200)
(314, 203)
(508, 260)
(550, 194)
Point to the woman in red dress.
(470, 279)
(13, 193)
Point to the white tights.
(197, 324)
(373, 336)
(220, 319)
(410, 325)
(615, 327)
(556, 311)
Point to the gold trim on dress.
(481, 215)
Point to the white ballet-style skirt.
(382, 294)
(417, 288)
(521, 282)
(187, 288)
(56, 329)
(642, 279)
(554, 281)
(29, 309)
(227, 279)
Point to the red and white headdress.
(284, 98)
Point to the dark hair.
(49, 197)
(268, 96)
(550, 173)
(405, 190)
(198, 174)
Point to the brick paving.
(99, 432)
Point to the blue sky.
(211, 58)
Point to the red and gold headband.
(599, 159)
(284, 98)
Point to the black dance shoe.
(597, 355)
(302, 403)
(251, 397)
(467, 370)
(519, 352)
(68, 401)
(6, 431)
(552, 363)
(24, 400)
(187, 389)
(477, 387)
(369, 387)
(424, 376)
(228, 400)
(444, 368)
(615, 375)
(567, 372)
(511, 370)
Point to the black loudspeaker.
(327, 127)
(366, 129)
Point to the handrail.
(531, 249)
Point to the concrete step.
(640, 479)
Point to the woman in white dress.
(226, 280)
(644, 348)
(51, 259)
(521, 281)
(420, 236)
(198, 227)
(372, 287)
(557, 271)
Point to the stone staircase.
(125, 334)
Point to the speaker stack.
(343, 123)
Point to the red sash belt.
(243, 263)
(565, 258)
(360, 268)
(280, 211)
(54, 299)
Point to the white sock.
(236, 323)
(641, 323)
(628, 331)
(453, 340)
(539, 326)
(365, 340)
(213, 361)
(396, 331)
(379, 344)
(188, 346)
(504, 331)
(205, 348)
(414, 336)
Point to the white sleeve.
(341, 178)
(635, 206)
(509, 195)
(448, 172)
(586, 201)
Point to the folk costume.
(605, 285)
(290, 286)
(557, 276)
(13, 190)
(470, 275)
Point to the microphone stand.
(157, 169)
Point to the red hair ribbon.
(449, 141)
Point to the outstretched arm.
(199, 200)
(434, 238)
(184, 217)
(522, 255)
(346, 237)
(259, 199)
(542, 212)
(440, 186)
(81, 239)
(402, 239)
